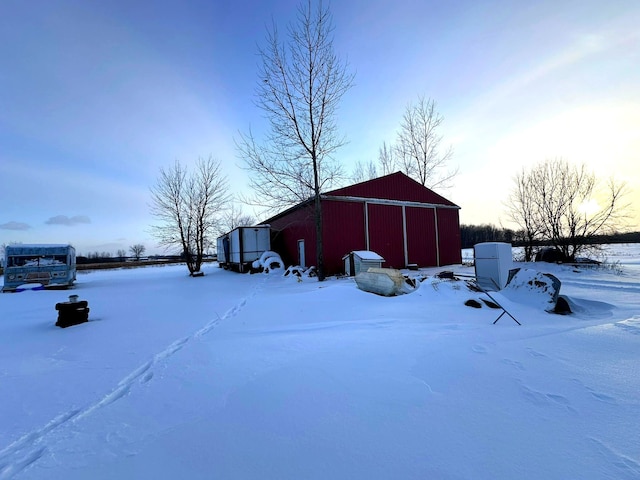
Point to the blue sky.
(96, 96)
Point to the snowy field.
(235, 376)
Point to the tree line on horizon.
(473, 234)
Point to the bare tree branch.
(300, 85)
(188, 207)
(565, 205)
(234, 217)
(418, 146)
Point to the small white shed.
(360, 261)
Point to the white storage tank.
(493, 260)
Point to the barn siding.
(343, 232)
(396, 186)
(421, 236)
(385, 234)
(287, 230)
(449, 233)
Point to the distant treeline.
(107, 258)
(472, 234)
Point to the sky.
(96, 97)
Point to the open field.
(262, 376)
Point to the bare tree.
(566, 205)
(418, 145)
(300, 84)
(387, 159)
(121, 254)
(364, 171)
(235, 217)
(137, 250)
(521, 210)
(188, 207)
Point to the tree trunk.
(319, 248)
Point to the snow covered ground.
(259, 376)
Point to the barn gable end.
(396, 186)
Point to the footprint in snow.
(542, 399)
(513, 363)
(602, 397)
(535, 353)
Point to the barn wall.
(343, 232)
(421, 236)
(290, 228)
(385, 234)
(449, 233)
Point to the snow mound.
(533, 288)
(298, 271)
(268, 262)
(29, 286)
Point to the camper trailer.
(52, 266)
(239, 248)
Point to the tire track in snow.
(630, 287)
(32, 446)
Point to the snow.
(265, 376)
(268, 261)
(367, 255)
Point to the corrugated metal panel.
(343, 232)
(386, 235)
(396, 186)
(288, 229)
(421, 236)
(449, 233)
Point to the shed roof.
(366, 255)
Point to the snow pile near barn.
(530, 286)
(268, 262)
(266, 376)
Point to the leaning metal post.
(504, 310)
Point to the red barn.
(394, 216)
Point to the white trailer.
(239, 248)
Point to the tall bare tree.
(300, 84)
(137, 250)
(418, 147)
(566, 205)
(188, 206)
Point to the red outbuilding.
(394, 216)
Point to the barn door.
(301, 259)
(386, 233)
